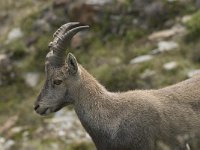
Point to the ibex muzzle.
(59, 73)
(133, 120)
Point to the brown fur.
(137, 119)
(133, 120)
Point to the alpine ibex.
(133, 120)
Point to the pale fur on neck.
(93, 105)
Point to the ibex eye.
(57, 82)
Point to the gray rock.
(97, 2)
(6, 144)
(41, 26)
(164, 46)
(141, 59)
(167, 45)
(16, 130)
(31, 78)
(6, 69)
(54, 146)
(188, 146)
(2, 140)
(5, 63)
(186, 18)
(175, 30)
(9, 144)
(147, 73)
(14, 34)
(171, 0)
(170, 65)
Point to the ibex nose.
(35, 106)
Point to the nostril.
(36, 106)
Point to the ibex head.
(62, 74)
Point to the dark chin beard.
(65, 103)
(58, 108)
(67, 99)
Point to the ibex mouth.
(43, 111)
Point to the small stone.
(187, 18)
(141, 59)
(3, 57)
(188, 146)
(97, 2)
(9, 144)
(171, 0)
(176, 30)
(165, 46)
(2, 140)
(54, 146)
(147, 73)
(25, 135)
(41, 26)
(192, 73)
(11, 121)
(31, 79)
(61, 133)
(161, 34)
(5, 63)
(7, 72)
(14, 34)
(16, 130)
(170, 65)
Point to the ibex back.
(133, 120)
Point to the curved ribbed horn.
(62, 38)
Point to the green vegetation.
(193, 26)
(106, 52)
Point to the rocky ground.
(132, 44)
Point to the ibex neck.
(93, 107)
(90, 86)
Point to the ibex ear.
(72, 64)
